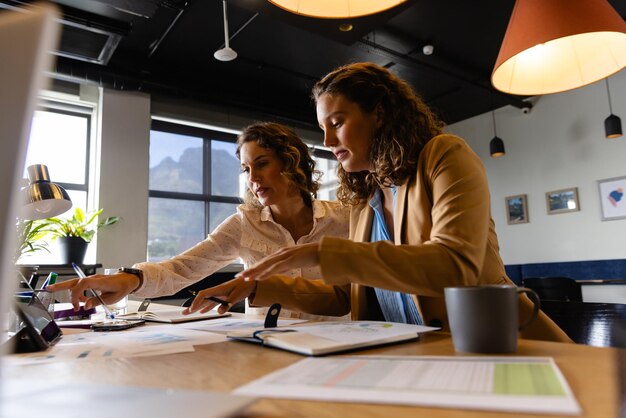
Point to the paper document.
(517, 384)
(151, 340)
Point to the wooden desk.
(592, 373)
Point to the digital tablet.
(35, 329)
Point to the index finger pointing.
(68, 284)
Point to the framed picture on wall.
(516, 209)
(612, 198)
(561, 201)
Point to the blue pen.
(82, 275)
(46, 298)
(51, 279)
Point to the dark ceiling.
(165, 47)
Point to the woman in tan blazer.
(420, 211)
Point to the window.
(194, 186)
(59, 139)
(326, 162)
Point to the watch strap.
(136, 272)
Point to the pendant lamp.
(496, 145)
(43, 198)
(552, 46)
(612, 124)
(336, 9)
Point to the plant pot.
(73, 249)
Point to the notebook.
(172, 316)
(319, 339)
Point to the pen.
(82, 275)
(217, 300)
(30, 292)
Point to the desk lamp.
(44, 198)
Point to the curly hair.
(298, 165)
(407, 125)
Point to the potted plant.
(76, 232)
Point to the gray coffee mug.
(485, 319)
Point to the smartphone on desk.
(117, 325)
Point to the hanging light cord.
(493, 116)
(608, 92)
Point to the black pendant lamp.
(496, 145)
(612, 124)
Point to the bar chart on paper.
(524, 384)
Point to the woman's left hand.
(304, 255)
(230, 292)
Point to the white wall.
(560, 144)
(122, 176)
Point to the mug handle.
(535, 299)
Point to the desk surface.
(591, 372)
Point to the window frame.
(76, 110)
(207, 135)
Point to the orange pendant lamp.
(336, 9)
(552, 46)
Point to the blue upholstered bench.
(577, 270)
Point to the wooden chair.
(590, 323)
(555, 288)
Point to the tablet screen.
(37, 316)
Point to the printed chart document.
(331, 337)
(172, 316)
(516, 384)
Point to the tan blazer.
(443, 236)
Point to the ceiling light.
(496, 145)
(345, 27)
(552, 46)
(336, 9)
(226, 53)
(612, 124)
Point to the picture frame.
(612, 198)
(516, 209)
(562, 201)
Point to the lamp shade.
(613, 126)
(336, 9)
(496, 147)
(557, 45)
(44, 199)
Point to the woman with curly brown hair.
(421, 207)
(280, 211)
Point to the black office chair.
(590, 323)
(555, 288)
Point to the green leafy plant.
(29, 238)
(81, 224)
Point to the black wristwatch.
(136, 272)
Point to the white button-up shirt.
(250, 234)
